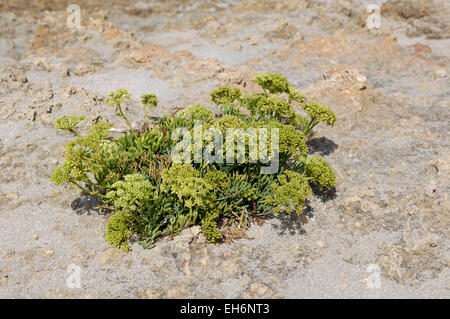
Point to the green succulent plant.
(151, 196)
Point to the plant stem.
(126, 119)
(74, 132)
(86, 190)
(311, 125)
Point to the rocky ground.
(390, 146)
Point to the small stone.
(48, 85)
(149, 294)
(46, 119)
(441, 73)
(63, 71)
(321, 244)
(238, 47)
(53, 161)
(46, 253)
(412, 122)
(18, 76)
(285, 31)
(349, 259)
(213, 27)
(427, 241)
(35, 237)
(12, 196)
(253, 41)
(175, 292)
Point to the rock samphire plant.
(150, 194)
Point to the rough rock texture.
(388, 87)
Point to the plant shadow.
(292, 223)
(322, 145)
(85, 204)
(324, 194)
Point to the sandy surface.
(389, 217)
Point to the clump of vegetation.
(135, 175)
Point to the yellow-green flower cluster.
(319, 172)
(117, 97)
(110, 151)
(149, 100)
(131, 194)
(185, 182)
(273, 83)
(196, 112)
(68, 122)
(119, 230)
(320, 112)
(225, 95)
(291, 140)
(229, 121)
(82, 158)
(209, 227)
(272, 107)
(289, 192)
(298, 120)
(101, 130)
